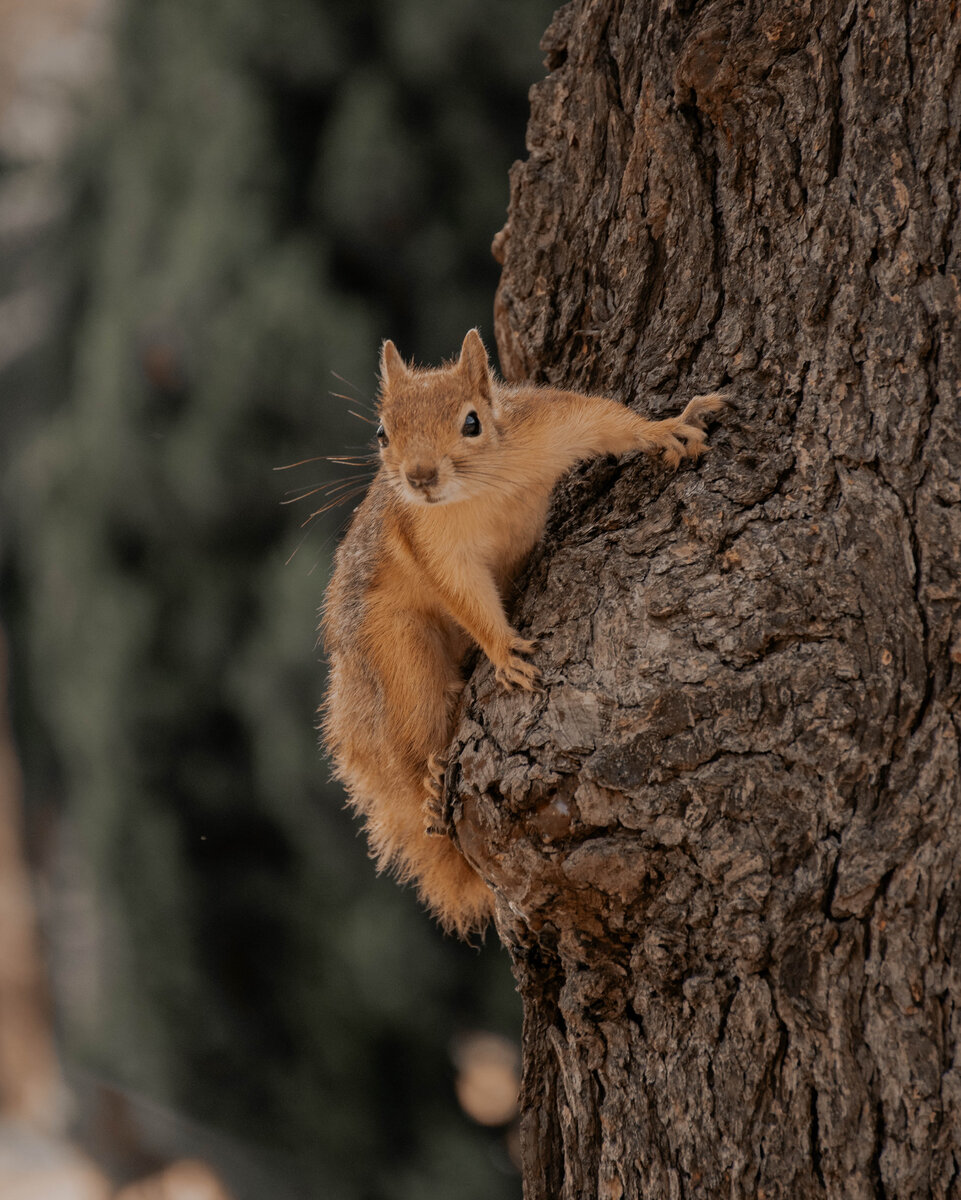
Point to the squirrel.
(467, 467)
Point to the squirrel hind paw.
(435, 816)
(436, 773)
(434, 810)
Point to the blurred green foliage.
(264, 193)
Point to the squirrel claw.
(434, 804)
(436, 821)
(516, 673)
(684, 437)
(436, 771)
(686, 441)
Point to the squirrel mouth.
(435, 494)
(422, 496)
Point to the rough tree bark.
(726, 843)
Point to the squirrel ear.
(392, 366)
(474, 363)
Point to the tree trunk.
(726, 842)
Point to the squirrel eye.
(471, 425)
(381, 435)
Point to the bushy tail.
(453, 891)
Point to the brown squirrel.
(467, 466)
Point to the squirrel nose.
(420, 477)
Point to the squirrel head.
(438, 427)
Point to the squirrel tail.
(456, 895)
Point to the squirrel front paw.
(684, 441)
(515, 672)
(690, 427)
(683, 437)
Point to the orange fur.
(422, 572)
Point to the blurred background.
(211, 213)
